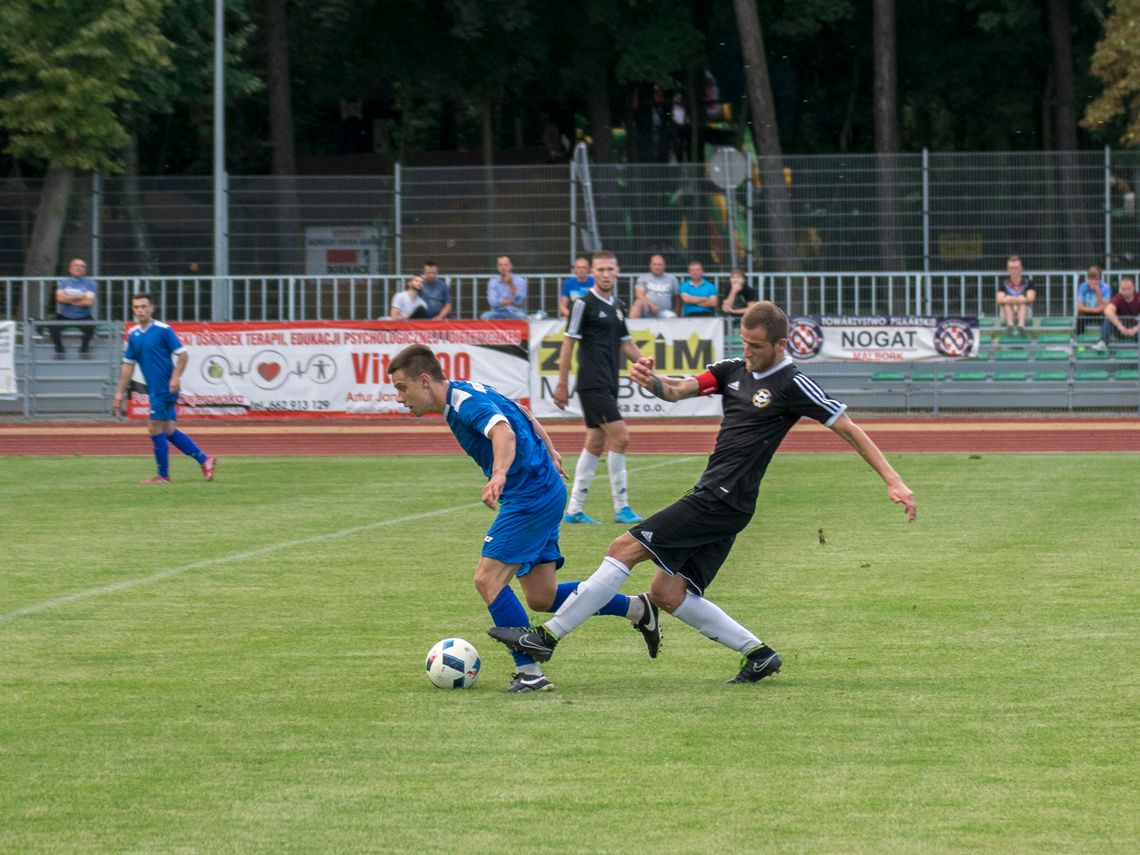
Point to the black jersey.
(599, 326)
(759, 410)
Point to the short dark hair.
(602, 253)
(430, 264)
(143, 295)
(767, 316)
(415, 360)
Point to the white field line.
(169, 572)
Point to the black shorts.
(599, 407)
(692, 537)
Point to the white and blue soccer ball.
(453, 664)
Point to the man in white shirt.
(408, 304)
(655, 293)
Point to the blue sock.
(617, 607)
(161, 454)
(506, 610)
(186, 445)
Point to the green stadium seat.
(895, 376)
(1129, 374)
(1016, 376)
(1015, 338)
(1054, 338)
(1088, 355)
(927, 376)
(1089, 337)
(1088, 375)
(1129, 355)
(969, 376)
(987, 323)
(1015, 355)
(1051, 376)
(1051, 356)
(1055, 322)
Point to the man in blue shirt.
(436, 293)
(1092, 296)
(698, 295)
(506, 293)
(524, 483)
(576, 287)
(73, 301)
(156, 350)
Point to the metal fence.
(908, 213)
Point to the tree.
(1116, 63)
(886, 129)
(66, 76)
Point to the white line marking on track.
(169, 572)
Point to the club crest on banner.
(805, 338)
(954, 337)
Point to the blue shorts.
(163, 408)
(526, 532)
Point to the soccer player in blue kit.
(154, 347)
(525, 483)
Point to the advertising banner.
(342, 249)
(7, 359)
(832, 338)
(313, 369)
(680, 347)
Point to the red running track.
(690, 436)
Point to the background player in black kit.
(764, 394)
(597, 320)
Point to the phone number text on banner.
(313, 369)
(831, 338)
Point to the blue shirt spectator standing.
(1092, 296)
(506, 293)
(436, 293)
(73, 301)
(698, 295)
(576, 287)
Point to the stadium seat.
(1056, 321)
(1130, 374)
(1054, 338)
(986, 323)
(1090, 375)
(1086, 355)
(1015, 338)
(896, 376)
(1016, 376)
(1051, 356)
(927, 376)
(969, 376)
(1015, 355)
(1089, 337)
(1127, 355)
(1051, 376)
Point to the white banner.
(7, 359)
(342, 249)
(330, 368)
(830, 338)
(680, 347)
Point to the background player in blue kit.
(763, 395)
(154, 347)
(524, 482)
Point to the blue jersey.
(472, 410)
(153, 350)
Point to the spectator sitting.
(436, 293)
(408, 304)
(506, 293)
(576, 286)
(1125, 306)
(655, 294)
(1015, 295)
(698, 295)
(739, 296)
(73, 301)
(1092, 296)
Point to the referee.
(597, 320)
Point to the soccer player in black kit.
(597, 321)
(763, 394)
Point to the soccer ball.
(453, 664)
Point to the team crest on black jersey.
(762, 398)
(805, 338)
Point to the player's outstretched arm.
(665, 388)
(503, 449)
(898, 492)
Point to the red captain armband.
(706, 383)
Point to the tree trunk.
(146, 263)
(767, 137)
(287, 211)
(43, 246)
(601, 120)
(886, 132)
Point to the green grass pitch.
(238, 666)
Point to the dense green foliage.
(236, 666)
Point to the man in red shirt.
(1122, 312)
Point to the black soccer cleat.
(533, 641)
(760, 663)
(521, 682)
(649, 626)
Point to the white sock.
(583, 478)
(615, 462)
(531, 669)
(636, 609)
(591, 595)
(712, 621)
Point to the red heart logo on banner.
(268, 370)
